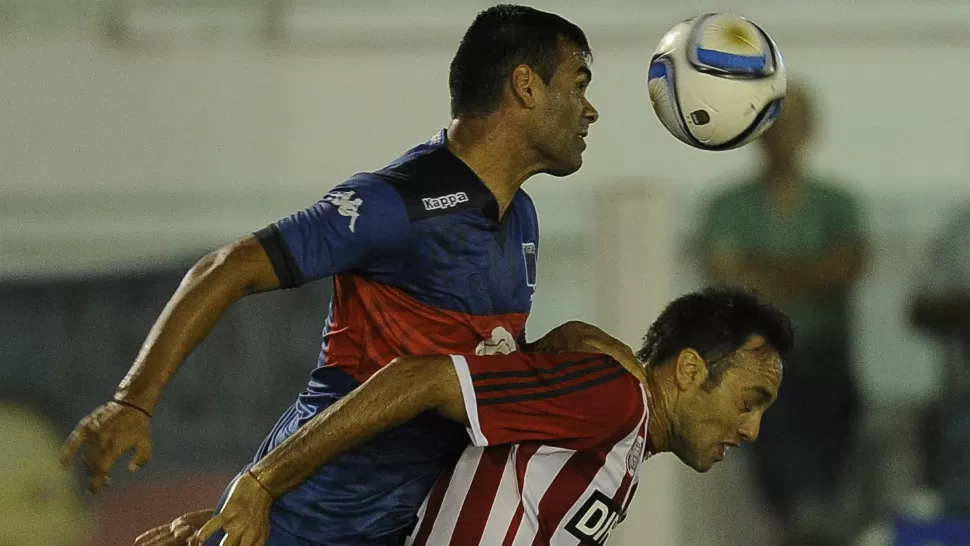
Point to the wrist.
(142, 398)
(133, 406)
(263, 481)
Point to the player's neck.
(782, 173)
(483, 145)
(658, 425)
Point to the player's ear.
(523, 84)
(690, 370)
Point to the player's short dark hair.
(715, 322)
(499, 39)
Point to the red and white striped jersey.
(558, 444)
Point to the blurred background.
(139, 134)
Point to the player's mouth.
(581, 137)
(723, 449)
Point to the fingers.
(154, 537)
(99, 462)
(207, 530)
(74, 442)
(253, 537)
(195, 519)
(143, 454)
(185, 526)
(177, 533)
(231, 540)
(263, 536)
(183, 533)
(95, 483)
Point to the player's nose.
(590, 113)
(750, 429)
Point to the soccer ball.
(717, 81)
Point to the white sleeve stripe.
(471, 404)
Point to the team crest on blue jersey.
(529, 253)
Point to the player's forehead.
(573, 61)
(758, 369)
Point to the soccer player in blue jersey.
(434, 254)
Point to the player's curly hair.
(715, 322)
(499, 39)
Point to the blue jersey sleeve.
(352, 227)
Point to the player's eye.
(746, 407)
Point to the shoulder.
(609, 393)
(630, 403)
(363, 189)
(524, 199)
(613, 405)
(431, 181)
(523, 204)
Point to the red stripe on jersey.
(570, 484)
(433, 507)
(373, 323)
(523, 454)
(540, 391)
(535, 384)
(547, 368)
(480, 496)
(566, 488)
(514, 526)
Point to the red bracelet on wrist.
(132, 406)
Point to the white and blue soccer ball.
(717, 81)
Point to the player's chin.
(566, 167)
(701, 464)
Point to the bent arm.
(399, 392)
(207, 290)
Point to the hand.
(108, 432)
(176, 533)
(244, 517)
(585, 338)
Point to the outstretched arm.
(402, 390)
(208, 289)
(212, 285)
(356, 221)
(501, 398)
(399, 392)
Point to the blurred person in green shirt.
(797, 239)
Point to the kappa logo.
(346, 205)
(445, 201)
(500, 343)
(595, 520)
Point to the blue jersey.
(421, 265)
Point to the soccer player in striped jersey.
(558, 439)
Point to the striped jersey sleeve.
(577, 398)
